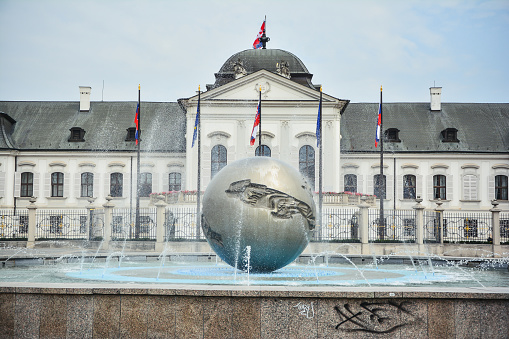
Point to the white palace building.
(64, 153)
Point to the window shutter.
(77, 184)
(474, 187)
(491, 187)
(469, 187)
(429, 185)
(342, 183)
(17, 185)
(2, 184)
(389, 194)
(155, 183)
(399, 187)
(37, 183)
(419, 186)
(96, 185)
(360, 184)
(449, 187)
(67, 184)
(166, 182)
(370, 185)
(47, 184)
(107, 178)
(125, 185)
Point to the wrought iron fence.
(398, 225)
(14, 224)
(467, 227)
(339, 224)
(180, 224)
(123, 224)
(504, 228)
(432, 226)
(61, 224)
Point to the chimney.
(85, 98)
(435, 94)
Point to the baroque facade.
(64, 153)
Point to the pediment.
(273, 87)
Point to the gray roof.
(257, 59)
(44, 125)
(482, 128)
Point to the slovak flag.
(136, 121)
(257, 43)
(377, 137)
(256, 124)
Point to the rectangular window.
(87, 184)
(501, 187)
(57, 184)
(409, 227)
(439, 187)
(83, 223)
(23, 224)
(145, 184)
(504, 228)
(409, 184)
(469, 187)
(175, 182)
(117, 223)
(146, 223)
(116, 183)
(380, 186)
(351, 183)
(27, 184)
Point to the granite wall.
(249, 312)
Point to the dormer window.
(392, 135)
(450, 135)
(77, 134)
(131, 134)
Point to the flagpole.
(260, 124)
(381, 231)
(198, 193)
(138, 174)
(320, 168)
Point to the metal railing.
(467, 227)
(13, 226)
(339, 224)
(123, 224)
(504, 227)
(180, 224)
(61, 224)
(398, 226)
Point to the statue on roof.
(283, 69)
(238, 69)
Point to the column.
(419, 224)
(160, 223)
(32, 222)
(364, 226)
(495, 226)
(108, 218)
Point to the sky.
(49, 48)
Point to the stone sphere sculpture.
(258, 214)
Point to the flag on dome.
(136, 122)
(257, 43)
(256, 124)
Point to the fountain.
(258, 216)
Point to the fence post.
(419, 223)
(364, 225)
(108, 217)
(440, 216)
(495, 228)
(160, 223)
(89, 208)
(32, 222)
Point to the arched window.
(116, 184)
(218, 157)
(57, 184)
(87, 184)
(380, 187)
(439, 187)
(27, 184)
(265, 151)
(409, 186)
(350, 183)
(145, 184)
(175, 182)
(501, 187)
(307, 164)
